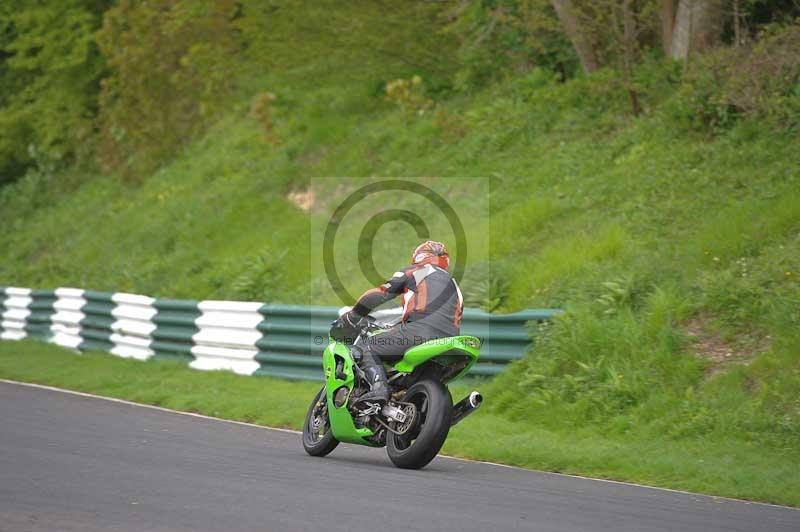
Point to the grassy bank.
(720, 466)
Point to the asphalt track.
(75, 463)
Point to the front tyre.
(318, 438)
(417, 447)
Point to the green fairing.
(418, 355)
(340, 419)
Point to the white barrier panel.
(16, 312)
(131, 331)
(227, 336)
(241, 361)
(66, 322)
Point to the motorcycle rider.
(432, 307)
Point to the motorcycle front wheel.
(318, 438)
(417, 447)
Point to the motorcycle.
(414, 424)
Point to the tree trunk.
(737, 24)
(668, 9)
(629, 54)
(698, 25)
(583, 46)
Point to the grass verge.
(727, 467)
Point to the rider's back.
(432, 298)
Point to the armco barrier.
(247, 338)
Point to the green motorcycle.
(415, 422)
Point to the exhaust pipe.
(465, 407)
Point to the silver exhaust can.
(466, 406)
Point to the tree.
(690, 26)
(499, 37)
(630, 52)
(49, 70)
(576, 31)
(609, 33)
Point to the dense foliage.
(123, 84)
(171, 70)
(49, 72)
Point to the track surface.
(78, 463)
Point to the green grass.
(272, 402)
(708, 465)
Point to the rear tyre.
(417, 447)
(318, 438)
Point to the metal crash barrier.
(245, 337)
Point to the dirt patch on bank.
(305, 199)
(723, 353)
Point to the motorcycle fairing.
(340, 419)
(442, 351)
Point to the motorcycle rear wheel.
(417, 447)
(318, 438)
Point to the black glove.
(346, 328)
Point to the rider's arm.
(375, 297)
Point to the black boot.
(376, 377)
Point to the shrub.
(761, 81)
(408, 95)
(262, 111)
(588, 365)
(498, 38)
(766, 81)
(485, 288)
